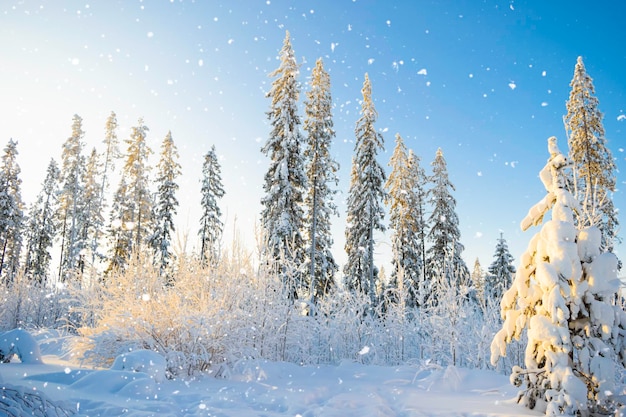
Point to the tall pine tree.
(11, 213)
(594, 167)
(365, 201)
(166, 203)
(92, 220)
(211, 226)
(321, 173)
(282, 217)
(42, 226)
(70, 198)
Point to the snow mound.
(21, 343)
(146, 361)
(127, 383)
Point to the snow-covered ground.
(262, 389)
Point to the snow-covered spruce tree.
(365, 201)
(42, 227)
(131, 212)
(211, 226)
(321, 171)
(285, 181)
(418, 204)
(561, 297)
(166, 203)
(405, 222)
(70, 198)
(11, 213)
(443, 258)
(91, 209)
(593, 165)
(501, 271)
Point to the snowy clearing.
(262, 389)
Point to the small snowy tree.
(365, 200)
(561, 298)
(501, 271)
(211, 225)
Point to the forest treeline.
(119, 284)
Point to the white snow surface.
(260, 388)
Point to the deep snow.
(261, 388)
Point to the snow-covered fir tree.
(11, 213)
(211, 225)
(405, 223)
(70, 198)
(443, 257)
(561, 298)
(593, 165)
(42, 227)
(365, 201)
(166, 203)
(131, 211)
(501, 271)
(321, 171)
(285, 181)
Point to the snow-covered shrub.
(16, 401)
(20, 343)
(29, 304)
(561, 297)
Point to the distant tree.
(501, 271)
(444, 260)
(70, 198)
(321, 172)
(365, 201)
(594, 168)
(282, 217)
(478, 284)
(404, 220)
(166, 203)
(42, 226)
(211, 226)
(11, 212)
(561, 299)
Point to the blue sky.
(485, 81)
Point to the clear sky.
(486, 81)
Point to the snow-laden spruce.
(562, 297)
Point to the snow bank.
(146, 361)
(21, 343)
